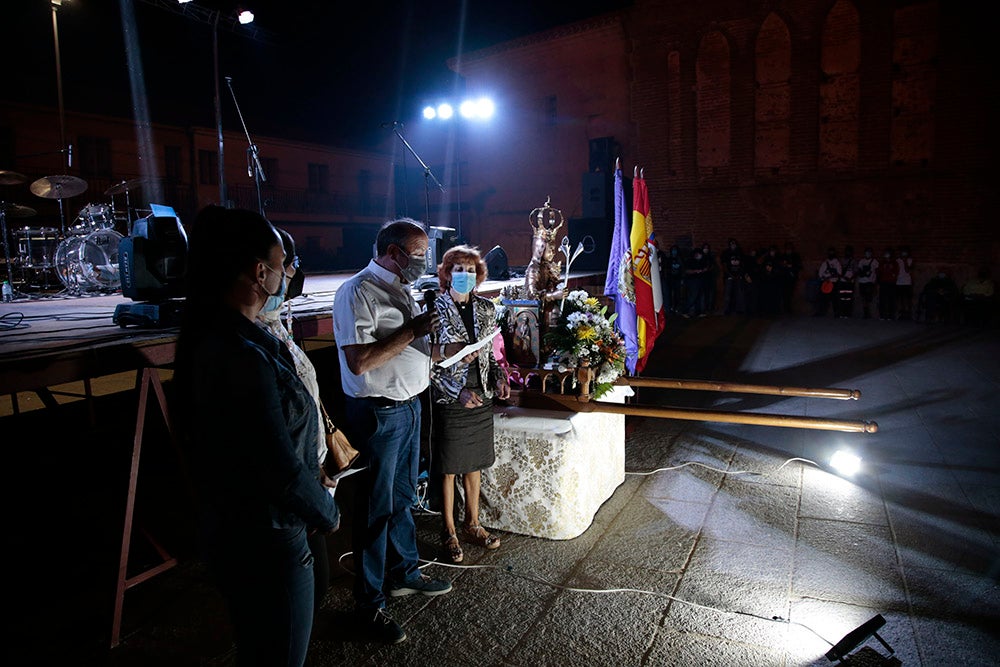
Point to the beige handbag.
(340, 455)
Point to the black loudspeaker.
(597, 199)
(602, 150)
(497, 266)
(441, 239)
(595, 235)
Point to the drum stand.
(6, 250)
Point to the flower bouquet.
(584, 336)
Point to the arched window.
(839, 88)
(772, 96)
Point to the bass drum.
(89, 263)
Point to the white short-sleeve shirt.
(370, 306)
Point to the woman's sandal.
(476, 534)
(451, 547)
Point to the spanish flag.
(650, 315)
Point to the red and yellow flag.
(650, 315)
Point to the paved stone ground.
(747, 559)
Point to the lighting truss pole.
(56, 5)
(223, 198)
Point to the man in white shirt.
(385, 362)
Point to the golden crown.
(546, 221)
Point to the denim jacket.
(447, 383)
(251, 428)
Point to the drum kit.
(83, 255)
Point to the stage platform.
(52, 339)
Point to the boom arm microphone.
(394, 123)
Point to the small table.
(553, 469)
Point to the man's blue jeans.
(385, 537)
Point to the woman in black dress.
(462, 430)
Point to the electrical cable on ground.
(725, 472)
(509, 569)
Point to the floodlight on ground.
(845, 462)
(867, 656)
(245, 17)
(183, 2)
(445, 111)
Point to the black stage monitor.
(497, 267)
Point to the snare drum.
(89, 263)
(36, 246)
(92, 217)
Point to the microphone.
(69, 156)
(392, 124)
(429, 298)
(229, 80)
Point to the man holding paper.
(462, 392)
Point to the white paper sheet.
(469, 349)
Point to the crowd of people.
(763, 282)
(247, 411)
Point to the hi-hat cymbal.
(17, 211)
(125, 186)
(11, 177)
(58, 187)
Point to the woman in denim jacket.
(462, 426)
(250, 428)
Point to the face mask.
(275, 300)
(463, 282)
(868, 254)
(414, 268)
(886, 255)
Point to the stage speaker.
(602, 154)
(595, 235)
(497, 266)
(597, 198)
(440, 239)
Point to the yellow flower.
(586, 333)
(592, 302)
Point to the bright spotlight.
(183, 2)
(445, 111)
(845, 462)
(484, 107)
(430, 113)
(467, 109)
(245, 16)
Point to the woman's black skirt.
(462, 438)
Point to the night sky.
(320, 72)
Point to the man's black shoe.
(378, 626)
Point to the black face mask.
(295, 285)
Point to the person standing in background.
(904, 283)
(867, 271)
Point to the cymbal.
(11, 177)
(17, 211)
(58, 187)
(125, 186)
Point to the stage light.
(183, 2)
(430, 113)
(444, 111)
(245, 17)
(467, 109)
(845, 462)
(841, 650)
(485, 108)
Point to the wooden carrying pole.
(696, 414)
(736, 388)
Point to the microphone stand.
(428, 174)
(253, 159)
